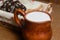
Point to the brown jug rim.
(38, 22)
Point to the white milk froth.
(38, 17)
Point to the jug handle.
(17, 20)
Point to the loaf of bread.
(37, 5)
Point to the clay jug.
(37, 25)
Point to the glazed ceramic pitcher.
(37, 25)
